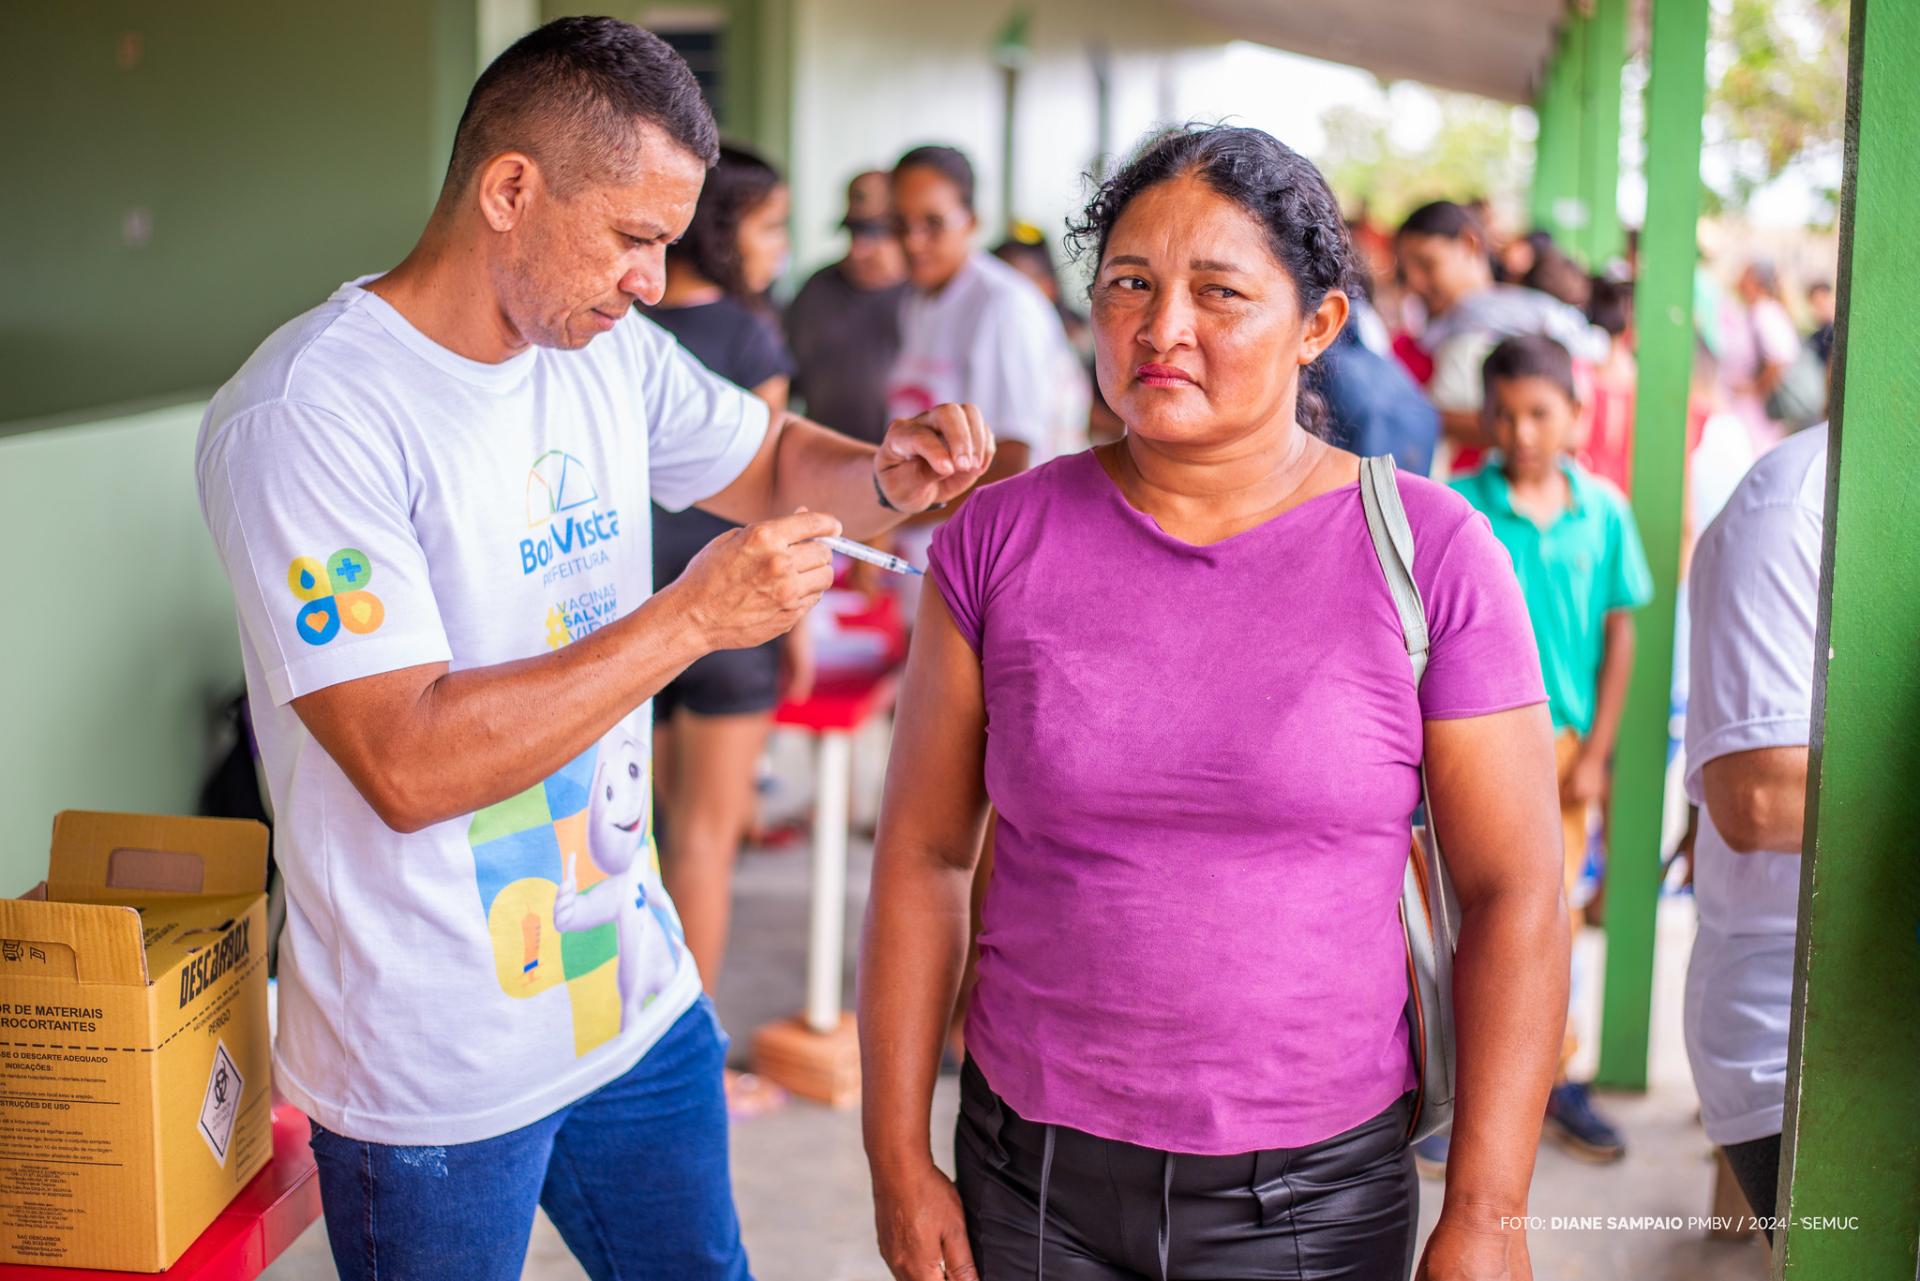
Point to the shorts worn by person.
(1754, 599)
(380, 502)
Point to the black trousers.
(1344, 1209)
(1756, 1168)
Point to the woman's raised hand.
(934, 457)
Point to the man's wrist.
(674, 628)
(880, 493)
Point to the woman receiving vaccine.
(1173, 667)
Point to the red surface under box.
(276, 1207)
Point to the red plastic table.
(270, 1212)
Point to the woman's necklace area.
(1136, 488)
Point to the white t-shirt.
(380, 502)
(990, 338)
(1753, 597)
(1775, 337)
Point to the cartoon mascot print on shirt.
(631, 896)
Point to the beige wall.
(117, 638)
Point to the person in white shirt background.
(972, 329)
(1766, 345)
(430, 495)
(1753, 599)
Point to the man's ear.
(504, 187)
(1324, 325)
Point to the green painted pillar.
(1557, 146)
(763, 55)
(1850, 1164)
(1663, 316)
(1605, 53)
(1545, 109)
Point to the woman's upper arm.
(936, 798)
(1495, 799)
(774, 391)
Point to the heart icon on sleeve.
(334, 596)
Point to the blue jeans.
(633, 1175)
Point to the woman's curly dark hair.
(739, 182)
(1270, 180)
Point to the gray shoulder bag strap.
(1429, 912)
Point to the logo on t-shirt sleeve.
(335, 595)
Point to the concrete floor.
(801, 1181)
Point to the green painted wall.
(1852, 1143)
(118, 638)
(756, 61)
(1556, 164)
(270, 150)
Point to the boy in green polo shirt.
(1582, 572)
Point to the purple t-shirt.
(1204, 761)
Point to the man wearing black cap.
(844, 324)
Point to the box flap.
(90, 942)
(178, 932)
(133, 858)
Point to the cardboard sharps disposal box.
(135, 1091)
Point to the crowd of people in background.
(1485, 358)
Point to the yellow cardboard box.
(135, 1087)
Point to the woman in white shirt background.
(973, 330)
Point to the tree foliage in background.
(1778, 96)
(1475, 151)
(1777, 73)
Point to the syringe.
(860, 551)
